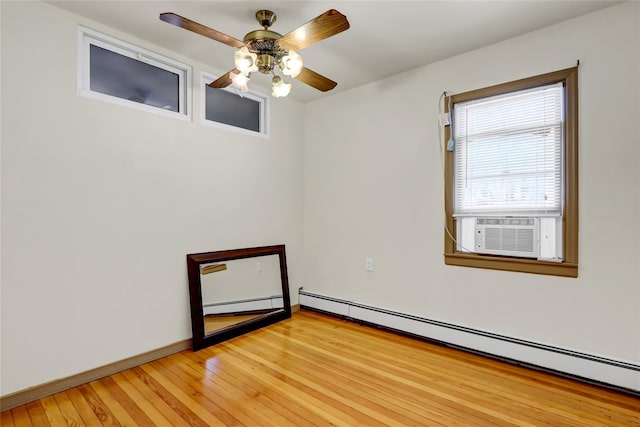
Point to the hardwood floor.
(319, 370)
(215, 323)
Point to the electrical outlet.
(259, 267)
(368, 264)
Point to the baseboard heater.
(243, 306)
(617, 374)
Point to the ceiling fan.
(265, 50)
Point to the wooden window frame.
(569, 266)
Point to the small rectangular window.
(115, 71)
(242, 111)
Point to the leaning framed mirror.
(236, 291)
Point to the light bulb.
(245, 61)
(280, 88)
(291, 64)
(240, 81)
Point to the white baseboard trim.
(589, 367)
(240, 306)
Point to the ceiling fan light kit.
(280, 88)
(291, 64)
(240, 81)
(265, 50)
(245, 61)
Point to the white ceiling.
(385, 38)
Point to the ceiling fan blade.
(190, 25)
(222, 81)
(321, 27)
(315, 80)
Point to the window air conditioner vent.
(507, 236)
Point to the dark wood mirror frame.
(194, 261)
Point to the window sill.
(564, 269)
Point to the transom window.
(115, 71)
(511, 189)
(246, 112)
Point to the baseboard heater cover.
(616, 373)
(245, 305)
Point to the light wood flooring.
(216, 323)
(319, 370)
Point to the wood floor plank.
(173, 401)
(71, 416)
(317, 370)
(144, 413)
(21, 416)
(37, 415)
(6, 419)
(83, 407)
(52, 411)
(144, 393)
(121, 406)
(98, 407)
(204, 409)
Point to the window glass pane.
(508, 153)
(127, 78)
(231, 109)
(520, 171)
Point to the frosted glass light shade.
(245, 61)
(240, 81)
(280, 88)
(291, 64)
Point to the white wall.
(243, 279)
(101, 204)
(374, 188)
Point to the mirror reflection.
(239, 290)
(236, 291)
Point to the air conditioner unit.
(507, 236)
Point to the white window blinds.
(508, 153)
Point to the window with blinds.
(508, 154)
(511, 176)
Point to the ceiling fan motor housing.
(264, 44)
(265, 63)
